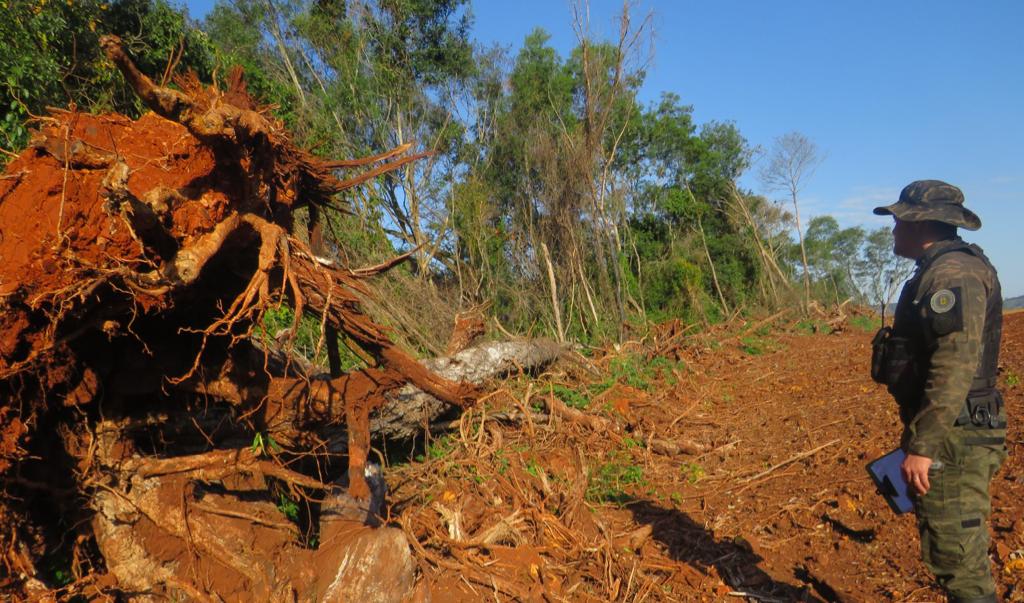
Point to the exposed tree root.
(139, 260)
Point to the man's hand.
(915, 471)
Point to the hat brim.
(950, 213)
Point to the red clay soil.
(779, 509)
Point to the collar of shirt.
(937, 248)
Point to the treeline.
(552, 196)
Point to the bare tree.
(790, 163)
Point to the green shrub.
(288, 507)
(307, 337)
(692, 472)
(755, 346)
(609, 481)
(867, 324)
(809, 326)
(570, 397)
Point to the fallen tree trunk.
(310, 405)
(408, 409)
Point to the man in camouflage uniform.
(939, 361)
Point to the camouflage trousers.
(953, 516)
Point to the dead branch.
(791, 459)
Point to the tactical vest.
(900, 354)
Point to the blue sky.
(890, 91)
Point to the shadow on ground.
(735, 561)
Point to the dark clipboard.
(885, 472)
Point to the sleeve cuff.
(922, 448)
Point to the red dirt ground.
(738, 523)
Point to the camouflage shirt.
(951, 310)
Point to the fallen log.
(309, 404)
(408, 409)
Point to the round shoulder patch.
(943, 301)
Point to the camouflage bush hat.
(932, 200)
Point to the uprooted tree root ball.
(142, 399)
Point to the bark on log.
(408, 409)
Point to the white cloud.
(855, 208)
(867, 198)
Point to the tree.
(792, 160)
(879, 270)
(50, 56)
(832, 253)
(353, 78)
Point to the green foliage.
(612, 480)
(692, 472)
(672, 288)
(810, 326)
(1012, 379)
(234, 28)
(879, 271)
(754, 345)
(867, 324)
(50, 56)
(631, 370)
(501, 463)
(635, 371)
(438, 448)
(288, 507)
(570, 397)
(832, 254)
(307, 341)
(263, 444)
(599, 387)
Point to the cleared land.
(778, 508)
